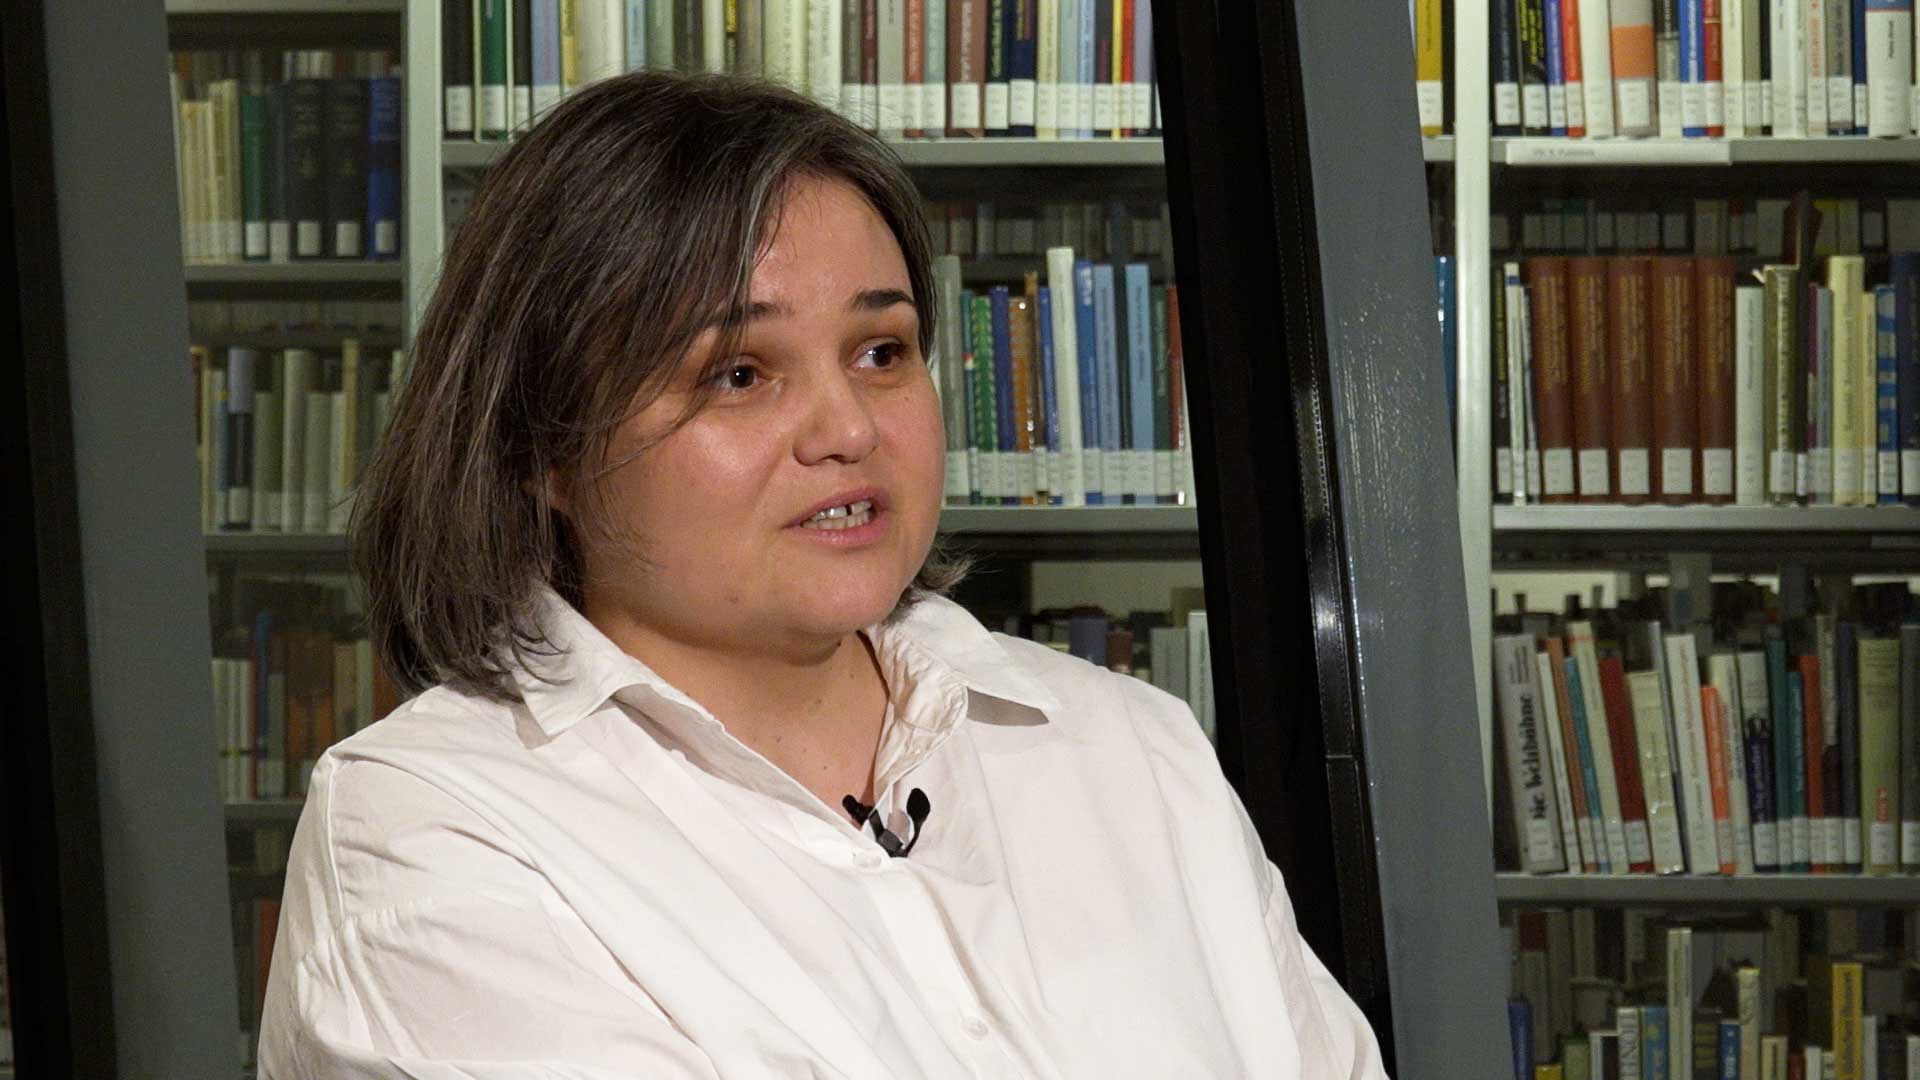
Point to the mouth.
(844, 511)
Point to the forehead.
(826, 236)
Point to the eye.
(736, 376)
(885, 355)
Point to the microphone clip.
(917, 810)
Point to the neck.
(813, 708)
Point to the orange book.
(1815, 739)
(266, 926)
(1122, 65)
(1020, 340)
(1714, 719)
(1570, 62)
(1592, 393)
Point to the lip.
(881, 504)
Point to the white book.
(1551, 720)
(892, 68)
(824, 60)
(1724, 672)
(1621, 852)
(1749, 399)
(1529, 778)
(1746, 980)
(1679, 1001)
(713, 35)
(1200, 672)
(1696, 786)
(1733, 71)
(1066, 372)
(296, 380)
(1789, 84)
(1648, 698)
(1517, 398)
(784, 48)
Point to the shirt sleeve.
(1329, 1026)
(435, 954)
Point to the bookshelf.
(281, 8)
(316, 272)
(1760, 890)
(1574, 153)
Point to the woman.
(650, 539)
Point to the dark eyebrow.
(866, 300)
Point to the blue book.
(1107, 356)
(1729, 1050)
(1693, 68)
(1087, 638)
(1003, 380)
(1083, 318)
(1588, 777)
(383, 168)
(1887, 368)
(1653, 1041)
(1443, 277)
(1503, 63)
(1050, 402)
(636, 57)
(1520, 1029)
(1023, 59)
(1556, 70)
(1084, 68)
(1797, 765)
(1140, 378)
(1859, 67)
(1123, 380)
(1067, 47)
(1904, 273)
(1756, 734)
(544, 35)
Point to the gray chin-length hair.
(594, 253)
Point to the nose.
(838, 422)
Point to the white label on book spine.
(1143, 478)
(1840, 100)
(346, 239)
(1846, 469)
(1142, 94)
(1752, 476)
(1163, 474)
(1835, 830)
(1431, 98)
(966, 105)
(1780, 475)
(1576, 94)
(956, 473)
(1113, 474)
(1802, 839)
(1094, 470)
(1672, 109)
(1889, 477)
(1676, 470)
(1533, 105)
(1851, 836)
(1820, 471)
(1506, 104)
(1503, 470)
(1714, 94)
(1693, 104)
(1557, 106)
(1103, 107)
(893, 107)
(1716, 471)
(256, 239)
(1072, 475)
(1636, 471)
(1593, 472)
(1880, 845)
(493, 108)
(386, 238)
(1723, 839)
(997, 106)
(1020, 102)
(1819, 844)
(306, 237)
(1558, 466)
(545, 96)
(1639, 846)
(1542, 841)
(935, 103)
(1766, 847)
(1910, 472)
(279, 241)
(1046, 105)
(522, 105)
(1910, 842)
(459, 109)
(1028, 479)
(1583, 830)
(1636, 103)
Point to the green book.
(986, 417)
(493, 68)
(1879, 663)
(254, 175)
(1162, 401)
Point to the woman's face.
(802, 499)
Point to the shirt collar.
(578, 668)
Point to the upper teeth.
(860, 507)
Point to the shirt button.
(974, 1026)
(869, 860)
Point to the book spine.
(1817, 463)
(966, 59)
(1429, 63)
(520, 69)
(1650, 728)
(891, 43)
(1027, 440)
(1666, 40)
(1674, 395)
(1712, 728)
(1553, 24)
(279, 225)
(1846, 752)
(346, 164)
(1139, 365)
(253, 176)
(1788, 79)
(1590, 716)
(1049, 417)
(1529, 780)
(1683, 673)
(1107, 352)
(1596, 64)
(1713, 303)
(986, 402)
(1879, 753)
(1634, 66)
(1888, 42)
(1749, 439)
(1909, 747)
(1143, 74)
(495, 119)
(1813, 742)
(1592, 422)
(238, 421)
(1066, 346)
(1022, 67)
(543, 32)
(383, 168)
(1092, 452)
(1535, 116)
(1627, 339)
(457, 68)
(1784, 382)
(1713, 86)
(1557, 725)
(1814, 67)
(1858, 69)
(1552, 398)
(1839, 29)
(1627, 771)
(306, 165)
(1757, 734)
(1572, 67)
(1693, 70)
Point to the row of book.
(1168, 649)
(1668, 379)
(903, 68)
(281, 434)
(1668, 223)
(288, 157)
(1786, 994)
(1758, 746)
(218, 321)
(1109, 230)
(292, 675)
(1069, 393)
(1693, 68)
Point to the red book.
(1626, 763)
(1123, 66)
(1570, 62)
(1710, 45)
(1815, 739)
(1715, 720)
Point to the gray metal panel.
(1403, 568)
(175, 999)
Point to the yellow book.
(1846, 276)
(1549, 1072)
(1846, 1045)
(569, 44)
(1879, 696)
(1430, 66)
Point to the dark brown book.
(1630, 378)
(1713, 311)
(1675, 407)
(966, 67)
(1552, 375)
(1592, 399)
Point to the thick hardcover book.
(1888, 44)
(1750, 420)
(1666, 44)
(1502, 435)
(1714, 310)
(1622, 737)
(306, 166)
(520, 81)
(1904, 274)
(1534, 117)
(1017, 315)
(495, 117)
(1712, 45)
(346, 167)
(1596, 62)
(277, 184)
(1852, 382)
(1878, 753)
(914, 77)
(1634, 67)
(1757, 735)
(1693, 71)
(891, 42)
(1675, 404)
(1785, 386)
(933, 92)
(997, 88)
(383, 168)
(1592, 390)
(1023, 65)
(457, 68)
(1552, 398)
(1104, 94)
(1529, 779)
(966, 67)
(1628, 283)
(1909, 748)
(1503, 61)
(1813, 739)
(254, 175)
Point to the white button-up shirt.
(602, 882)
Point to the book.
(1529, 776)
(1880, 662)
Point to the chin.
(850, 607)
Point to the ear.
(550, 492)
